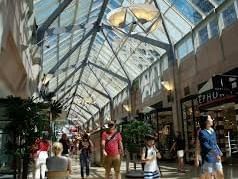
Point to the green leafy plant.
(55, 109)
(28, 120)
(134, 133)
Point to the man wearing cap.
(112, 148)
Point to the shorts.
(211, 167)
(180, 153)
(112, 162)
(151, 175)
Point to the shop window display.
(190, 116)
(225, 125)
(165, 134)
(162, 123)
(227, 132)
(166, 140)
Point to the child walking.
(149, 158)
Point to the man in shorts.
(112, 148)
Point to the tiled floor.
(169, 171)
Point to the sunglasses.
(111, 125)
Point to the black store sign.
(225, 83)
(210, 95)
(222, 86)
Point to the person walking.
(179, 146)
(58, 163)
(85, 150)
(66, 144)
(112, 149)
(210, 152)
(42, 155)
(149, 158)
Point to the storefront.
(221, 103)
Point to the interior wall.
(15, 56)
(12, 72)
(217, 56)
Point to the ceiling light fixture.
(137, 13)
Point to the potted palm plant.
(28, 120)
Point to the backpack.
(146, 152)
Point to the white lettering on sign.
(210, 96)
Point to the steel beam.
(66, 29)
(62, 70)
(119, 61)
(80, 114)
(96, 28)
(66, 100)
(100, 83)
(42, 29)
(170, 51)
(62, 97)
(68, 77)
(98, 91)
(75, 115)
(94, 105)
(148, 40)
(82, 108)
(67, 55)
(88, 109)
(109, 72)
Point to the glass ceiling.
(76, 21)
